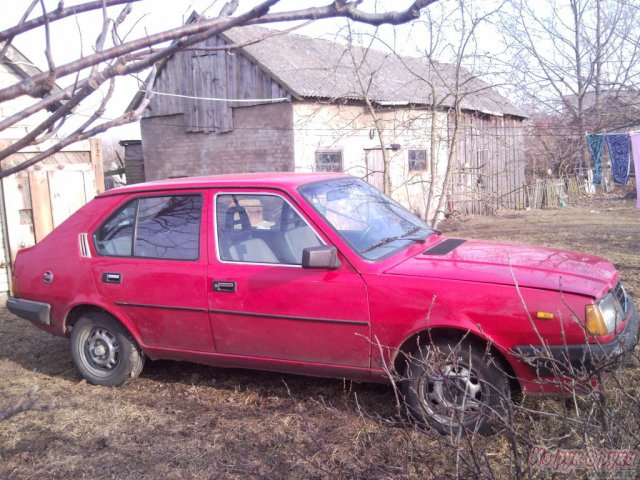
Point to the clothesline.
(621, 147)
(631, 132)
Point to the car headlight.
(603, 317)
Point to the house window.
(329, 161)
(417, 160)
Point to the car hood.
(501, 263)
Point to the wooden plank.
(89, 182)
(197, 91)
(189, 90)
(508, 185)
(224, 120)
(75, 167)
(232, 78)
(375, 168)
(208, 89)
(227, 117)
(174, 84)
(66, 192)
(41, 204)
(19, 229)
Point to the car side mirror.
(323, 257)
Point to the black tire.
(103, 352)
(455, 386)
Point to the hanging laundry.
(618, 145)
(594, 141)
(635, 145)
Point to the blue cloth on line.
(619, 149)
(594, 141)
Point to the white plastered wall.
(351, 130)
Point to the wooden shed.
(253, 99)
(41, 197)
(489, 173)
(133, 161)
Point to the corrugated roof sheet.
(312, 67)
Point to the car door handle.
(111, 278)
(228, 287)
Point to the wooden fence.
(540, 193)
(555, 192)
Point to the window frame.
(137, 200)
(214, 209)
(328, 151)
(409, 160)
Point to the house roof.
(621, 96)
(616, 109)
(317, 68)
(23, 68)
(609, 99)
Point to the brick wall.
(261, 141)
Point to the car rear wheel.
(455, 386)
(103, 352)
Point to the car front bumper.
(565, 359)
(36, 312)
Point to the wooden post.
(96, 163)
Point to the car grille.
(621, 297)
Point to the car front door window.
(261, 228)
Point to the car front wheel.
(455, 386)
(103, 352)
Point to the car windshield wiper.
(411, 232)
(405, 236)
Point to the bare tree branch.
(21, 22)
(350, 10)
(121, 58)
(57, 14)
(80, 135)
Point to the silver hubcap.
(102, 350)
(451, 393)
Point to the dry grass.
(181, 420)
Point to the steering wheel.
(371, 225)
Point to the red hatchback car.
(318, 274)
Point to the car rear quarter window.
(166, 227)
(115, 236)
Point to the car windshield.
(371, 223)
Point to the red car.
(319, 274)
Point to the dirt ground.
(181, 420)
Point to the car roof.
(278, 180)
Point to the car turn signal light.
(595, 321)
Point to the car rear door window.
(165, 227)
